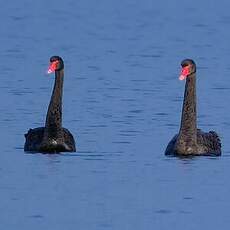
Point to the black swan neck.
(188, 128)
(53, 126)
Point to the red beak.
(184, 72)
(52, 67)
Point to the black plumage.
(190, 140)
(53, 137)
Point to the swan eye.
(53, 66)
(184, 72)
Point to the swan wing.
(210, 140)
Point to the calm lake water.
(122, 102)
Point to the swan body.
(34, 139)
(208, 144)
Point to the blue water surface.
(122, 102)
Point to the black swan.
(52, 138)
(191, 141)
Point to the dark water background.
(122, 102)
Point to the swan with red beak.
(52, 138)
(190, 140)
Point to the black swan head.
(188, 68)
(56, 64)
